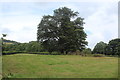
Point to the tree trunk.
(66, 52)
(62, 51)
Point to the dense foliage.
(32, 46)
(100, 48)
(62, 32)
(87, 51)
(112, 48)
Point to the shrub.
(98, 55)
(12, 52)
(87, 51)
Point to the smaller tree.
(113, 47)
(100, 48)
(3, 35)
(87, 51)
(33, 46)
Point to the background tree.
(2, 38)
(4, 35)
(61, 33)
(87, 51)
(33, 46)
(100, 48)
(113, 47)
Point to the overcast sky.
(19, 20)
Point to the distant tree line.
(9, 41)
(112, 48)
(32, 46)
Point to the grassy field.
(59, 66)
(0, 67)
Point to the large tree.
(62, 32)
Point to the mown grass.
(0, 67)
(59, 66)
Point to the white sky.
(19, 20)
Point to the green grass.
(59, 66)
(0, 67)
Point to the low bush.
(98, 55)
(45, 53)
(38, 53)
(12, 52)
(112, 55)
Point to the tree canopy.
(62, 32)
(113, 47)
(100, 48)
